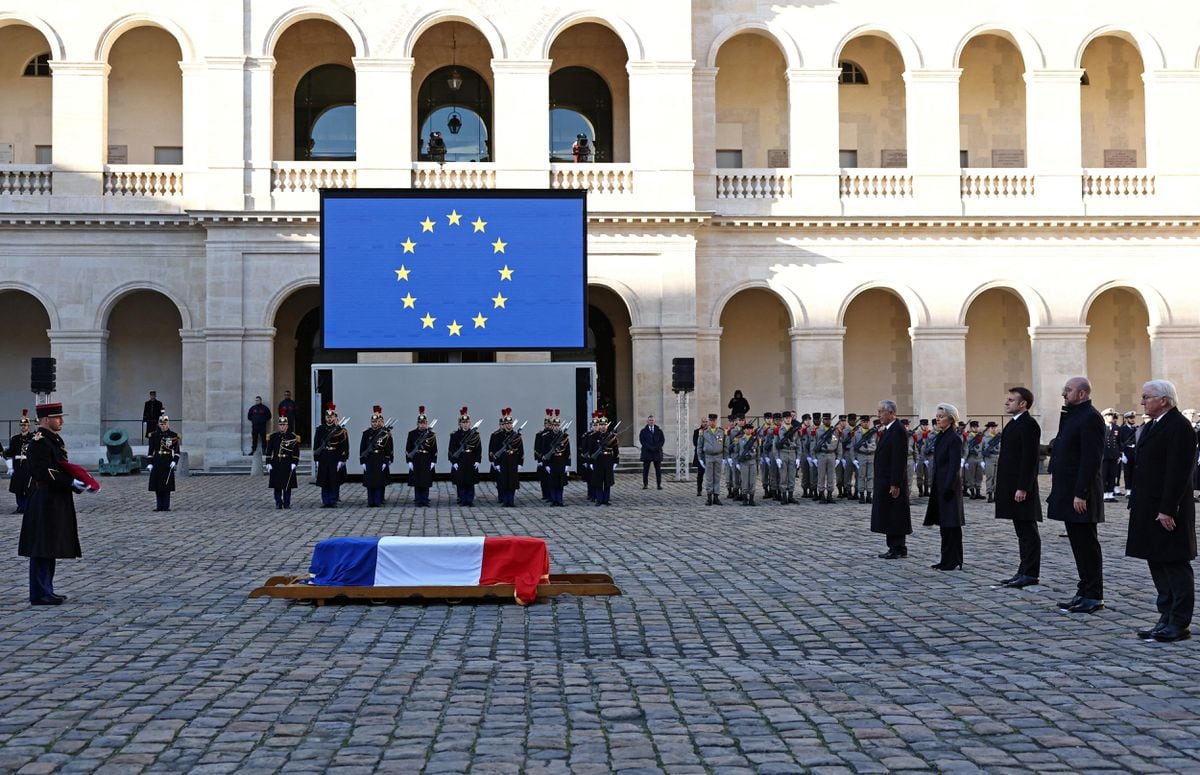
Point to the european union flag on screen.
(468, 270)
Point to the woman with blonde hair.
(945, 507)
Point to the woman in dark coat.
(945, 507)
(738, 405)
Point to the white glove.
(293, 466)
(547, 469)
(1124, 460)
(701, 462)
(520, 469)
(78, 485)
(341, 464)
(567, 469)
(454, 467)
(476, 466)
(172, 465)
(269, 468)
(779, 462)
(431, 465)
(410, 467)
(614, 466)
(385, 466)
(150, 468)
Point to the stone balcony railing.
(298, 177)
(155, 181)
(1125, 182)
(997, 183)
(26, 180)
(598, 179)
(473, 175)
(871, 183)
(766, 183)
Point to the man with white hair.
(1162, 515)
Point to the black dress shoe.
(1150, 633)
(1086, 605)
(46, 601)
(1008, 580)
(945, 566)
(1171, 634)
(893, 554)
(1020, 582)
(59, 598)
(1067, 604)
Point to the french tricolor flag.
(404, 561)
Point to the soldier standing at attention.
(733, 475)
(18, 469)
(541, 440)
(164, 456)
(421, 451)
(747, 454)
(557, 460)
(826, 446)
(282, 453)
(850, 483)
(921, 471)
(989, 454)
(49, 531)
(466, 452)
(587, 447)
(1128, 438)
(912, 455)
(785, 457)
(506, 451)
(973, 452)
(802, 454)
(604, 457)
(712, 450)
(696, 457)
(376, 451)
(331, 450)
(864, 457)
(1110, 464)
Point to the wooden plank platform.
(292, 588)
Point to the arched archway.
(452, 81)
(756, 351)
(145, 98)
(1118, 349)
(313, 80)
(752, 103)
(144, 353)
(612, 346)
(872, 108)
(27, 87)
(296, 330)
(589, 78)
(877, 351)
(1113, 104)
(325, 117)
(991, 100)
(24, 337)
(999, 353)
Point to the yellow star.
(409, 301)
(455, 328)
(402, 273)
(479, 320)
(499, 300)
(427, 225)
(427, 321)
(498, 245)
(505, 273)
(478, 223)
(408, 245)
(454, 218)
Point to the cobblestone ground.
(757, 640)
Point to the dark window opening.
(325, 115)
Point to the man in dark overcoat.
(1077, 491)
(1162, 515)
(49, 531)
(890, 511)
(162, 460)
(652, 442)
(1016, 487)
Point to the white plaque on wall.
(893, 157)
(777, 157)
(6, 153)
(1120, 157)
(118, 154)
(1008, 157)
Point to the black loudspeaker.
(683, 375)
(42, 374)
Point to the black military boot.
(991, 498)
(862, 497)
(716, 500)
(868, 497)
(708, 501)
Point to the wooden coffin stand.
(294, 588)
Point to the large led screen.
(462, 270)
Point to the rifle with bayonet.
(416, 448)
(473, 433)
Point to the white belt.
(19, 457)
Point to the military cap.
(463, 415)
(421, 414)
(826, 416)
(24, 417)
(789, 413)
(806, 416)
(1130, 414)
(330, 410)
(923, 421)
(376, 412)
(974, 423)
(852, 417)
(1110, 412)
(904, 421)
(49, 410)
(713, 416)
(841, 417)
(991, 424)
(777, 416)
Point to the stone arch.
(1118, 349)
(42, 298)
(271, 308)
(902, 41)
(998, 350)
(1156, 306)
(797, 314)
(126, 23)
(57, 52)
(787, 46)
(619, 27)
(1035, 305)
(755, 347)
(627, 295)
(466, 16)
(918, 312)
(1145, 44)
(105, 308)
(143, 350)
(877, 348)
(331, 15)
(1031, 51)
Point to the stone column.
(521, 146)
(813, 139)
(384, 125)
(939, 368)
(1175, 355)
(1059, 353)
(258, 370)
(660, 99)
(704, 129)
(1054, 142)
(818, 370)
(225, 142)
(195, 373)
(933, 140)
(79, 134)
(223, 408)
(708, 371)
(1172, 153)
(196, 125)
(81, 357)
(261, 127)
(648, 380)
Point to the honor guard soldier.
(988, 455)
(557, 460)
(973, 456)
(912, 457)
(748, 455)
(849, 471)
(827, 448)
(927, 451)
(164, 456)
(466, 452)
(733, 474)
(920, 439)
(802, 453)
(712, 452)
(764, 463)
(1128, 445)
(863, 448)
(376, 450)
(605, 457)
(696, 456)
(813, 467)
(1110, 463)
(282, 453)
(18, 470)
(540, 441)
(331, 450)
(506, 452)
(771, 451)
(587, 446)
(786, 449)
(421, 451)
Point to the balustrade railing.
(876, 183)
(593, 178)
(150, 180)
(454, 175)
(26, 179)
(1118, 182)
(997, 183)
(293, 177)
(753, 184)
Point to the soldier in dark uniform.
(696, 464)
(541, 440)
(376, 451)
(605, 456)
(282, 453)
(150, 412)
(506, 452)
(1128, 439)
(1110, 463)
(164, 456)
(466, 452)
(18, 469)
(587, 446)
(331, 450)
(421, 451)
(49, 531)
(557, 460)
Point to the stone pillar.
(708, 371)
(939, 368)
(1175, 355)
(258, 361)
(1172, 153)
(648, 364)
(704, 130)
(385, 125)
(81, 357)
(818, 370)
(676, 342)
(261, 128)
(1053, 133)
(813, 139)
(1059, 353)
(223, 408)
(521, 147)
(660, 98)
(225, 141)
(79, 134)
(933, 140)
(195, 135)
(195, 371)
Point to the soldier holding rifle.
(466, 452)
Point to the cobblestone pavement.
(747, 640)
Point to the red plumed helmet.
(556, 413)
(420, 410)
(330, 406)
(463, 410)
(377, 409)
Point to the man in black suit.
(150, 413)
(889, 510)
(1016, 487)
(1077, 491)
(1162, 516)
